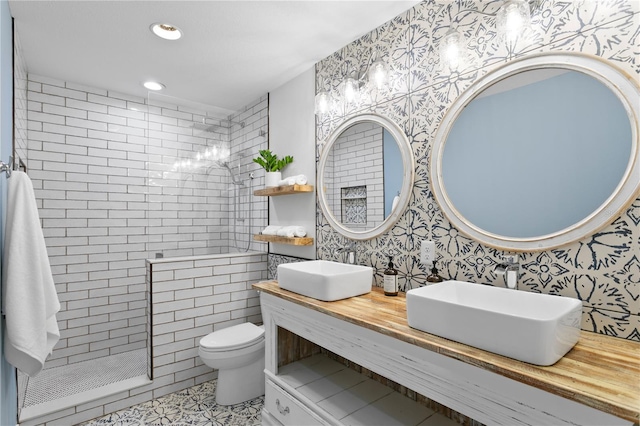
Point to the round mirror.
(539, 153)
(365, 176)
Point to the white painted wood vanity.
(596, 383)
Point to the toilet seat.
(236, 337)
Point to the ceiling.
(232, 52)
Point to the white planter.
(272, 178)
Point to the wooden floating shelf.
(303, 241)
(283, 190)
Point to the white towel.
(301, 180)
(29, 294)
(271, 230)
(286, 231)
(287, 181)
(291, 231)
(293, 180)
(299, 231)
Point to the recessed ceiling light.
(166, 31)
(153, 85)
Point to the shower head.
(209, 128)
(212, 128)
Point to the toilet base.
(238, 385)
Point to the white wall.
(292, 132)
(8, 398)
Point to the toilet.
(237, 352)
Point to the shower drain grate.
(67, 380)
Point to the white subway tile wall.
(186, 306)
(356, 161)
(20, 100)
(192, 297)
(111, 192)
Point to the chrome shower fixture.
(235, 178)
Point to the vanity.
(596, 383)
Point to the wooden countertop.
(600, 371)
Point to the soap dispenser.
(434, 277)
(390, 279)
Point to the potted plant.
(272, 166)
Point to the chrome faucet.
(510, 270)
(348, 252)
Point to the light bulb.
(452, 49)
(512, 19)
(350, 91)
(378, 74)
(322, 102)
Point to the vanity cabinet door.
(286, 409)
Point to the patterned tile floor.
(195, 406)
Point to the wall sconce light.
(379, 74)
(452, 49)
(323, 102)
(353, 88)
(513, 18)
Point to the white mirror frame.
(624, 194)
(407, 177)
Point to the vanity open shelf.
(283, 190)
(339, 395)
(594, 384)
(296, 241)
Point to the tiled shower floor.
(194, 406)
(59, 382)
(65, 386)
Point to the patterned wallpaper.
(603, 270)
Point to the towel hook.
(5, 168)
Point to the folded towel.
(286, 231)
(299, 231)
(293, 180)
(301, 180)
(271, 230)
(291, 231)
(29, 294)
(287, 181)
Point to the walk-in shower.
(239, 215)
(157, 177)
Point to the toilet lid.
(234, 337)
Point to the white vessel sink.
(324, 280)
(531, 327)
